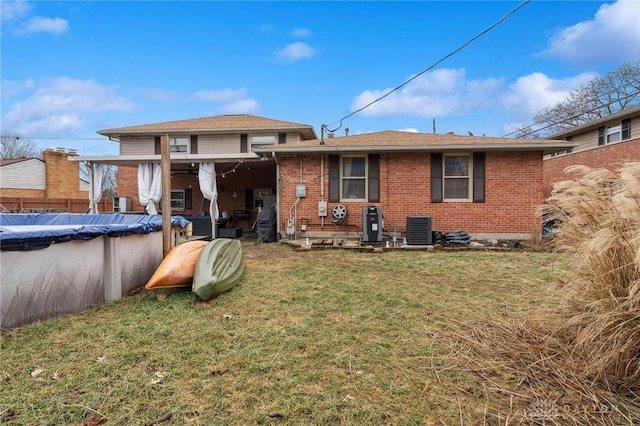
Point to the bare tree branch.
(12, 146)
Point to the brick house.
(608, 142)
(53, 176)
(489, 187)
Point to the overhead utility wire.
(567, 118)
(486, 71)
(477, 36)
(517, 75)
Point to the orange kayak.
(177, 268)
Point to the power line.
(567, 118)
(477, 36)
(517, 75)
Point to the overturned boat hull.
(219, 268)
(178, 266)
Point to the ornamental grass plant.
(577, 359)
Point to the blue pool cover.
(33, 231)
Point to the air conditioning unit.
(419, 231)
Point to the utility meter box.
(301, 191)
(372, 224)
(322, 208)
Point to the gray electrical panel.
(372, 224)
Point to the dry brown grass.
(577, 362)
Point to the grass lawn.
(323, 337)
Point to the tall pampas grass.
(577, 360)
(598, 217)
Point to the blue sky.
(72, 68)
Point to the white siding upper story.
(28, 174)
(218, 144)
(207, 143)
(144, 145)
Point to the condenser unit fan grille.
(419, 230)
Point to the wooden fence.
(55, 205)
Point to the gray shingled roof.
(410, 141)
(216, 124)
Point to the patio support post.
(112, 269)
(165, 165)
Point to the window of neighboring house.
(457, 176)
(257, 141)
(563, 152)
(353, 177)
(613, 133)
(179, 144)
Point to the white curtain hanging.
(95, 189)
(149, 186)
(209, 189)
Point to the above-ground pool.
(54, 264)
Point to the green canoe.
(219, 268)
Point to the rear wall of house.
(610, 156)
(513, 190)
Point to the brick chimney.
(62, 175)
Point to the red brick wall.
(62, 175)
(22, 193)
(513, 190)
(609, 156)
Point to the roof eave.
(319, 149)
(117, 133)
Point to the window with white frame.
(179, 144)
(614, 133)
(457, 176)
(257, 141)
(353, 175)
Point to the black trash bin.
(266, 225)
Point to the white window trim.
(469, 177)
(172, 143)
(261, 140)
(365, 177)
(612, 130)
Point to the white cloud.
(301, 32)
(533, 92)
(10, 10)
(225, 95)
(432, 94)
(296, 51)
(62, 105)
(245, 106)
(410, 130)
(10, 88)
(612, 35)
(40, 24)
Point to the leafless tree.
(13, 146)
(604, 95)
(109, 179)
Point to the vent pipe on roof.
(323, 127)
(346, 131)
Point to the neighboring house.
(607, 142)
(489, 187)
(52, 177)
